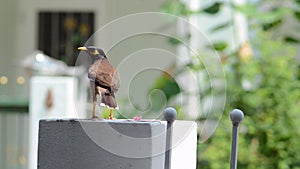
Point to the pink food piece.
(137, 118)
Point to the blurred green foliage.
(262, 80)
(266, 88)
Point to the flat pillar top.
(120, 121)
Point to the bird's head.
(94, 52)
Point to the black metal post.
(170, 115)
(236, 116)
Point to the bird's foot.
(111, 118)
(94, 117)
(111, 114)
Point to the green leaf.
(220, 46)
(297, 1)
(174, 41)
(168, 85)
(268, 26)
(176, 8)
(247, 9)
(177, 41)
(291, 39)
(219, 27)
(297, 15)
(213, 9)
(105, 113)
(251, 10)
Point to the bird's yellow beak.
(82, 48)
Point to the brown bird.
(104, 79)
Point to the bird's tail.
(108, 100)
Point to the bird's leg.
(94, 110)
(111, 113)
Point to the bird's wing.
(115, 81)
(105, 75)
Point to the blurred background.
(256, 41)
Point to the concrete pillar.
(114, 144)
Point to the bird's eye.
(95, 52)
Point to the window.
(60, 33)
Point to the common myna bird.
(104, 79)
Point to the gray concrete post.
(117, 144)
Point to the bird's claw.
(94, 117)
(111, 114)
